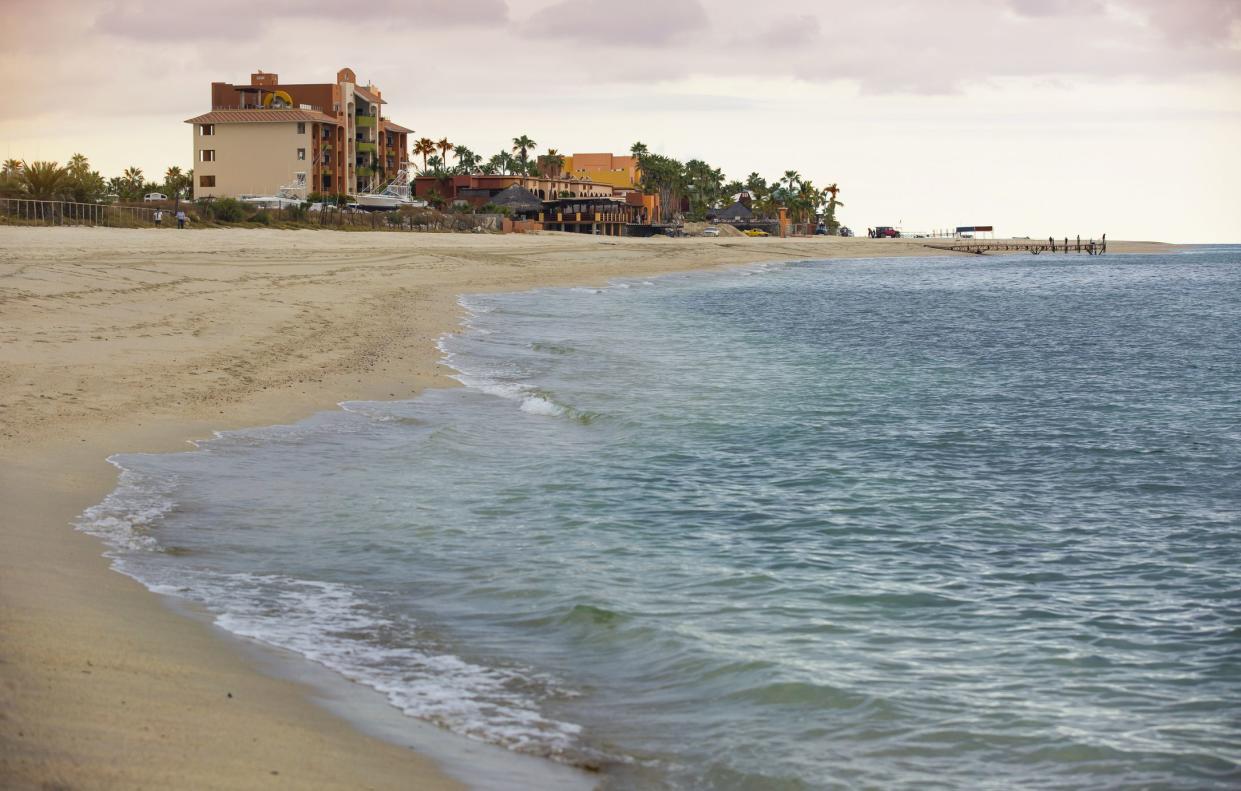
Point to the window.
(206, 181)
(301, 127)
(301, 153)
(207, 129)
(208, 155)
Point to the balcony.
(365, 120)
(366, 147)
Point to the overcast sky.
(1037, 116)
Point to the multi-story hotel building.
(333, 137)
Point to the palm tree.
(829, 213)
(553, 163)
(172, 180)
(82, 184)
(499, 163)
(444, 147)
(43, 180)
(639, 149)
(12, 167)
(521, 147)
(424, 147)
(467, 160)
(436, 167)
(791, 179)
(132, 180)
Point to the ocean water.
(915, 523)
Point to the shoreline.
(139, 341)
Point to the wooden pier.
(1035, 247)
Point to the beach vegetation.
(83, 185)
(43, 180)
(425, 147)
(443, 146)
(551, 164)
(521, 147)
(468, 163)
(226, 210)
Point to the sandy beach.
(139, 340)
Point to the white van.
(153, 196)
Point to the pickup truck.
(887, 232)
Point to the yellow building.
(620, 172)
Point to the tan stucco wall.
(252, 158)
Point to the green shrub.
(262, 217)
(227, 210)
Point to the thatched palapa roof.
(738, 211)
(518, 198)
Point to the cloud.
(1056, 8)
(636, 23)
(237, 20)
(1191, 22)
(788, 31)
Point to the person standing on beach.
(181, 218)
(159, 218)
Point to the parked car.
(846, 230)
(756, 232)
(887, 232)
(820, 229)
(154, 196)
(711, 230)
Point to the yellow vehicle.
(756, 232)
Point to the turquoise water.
(920, 523)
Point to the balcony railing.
(366, 147)
(295, 106)
(365, 120)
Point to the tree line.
(77, 181)
(696, 187)
(690, 188)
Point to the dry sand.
(137, 340)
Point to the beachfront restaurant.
(603, 216)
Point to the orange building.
(336, 133)
(621, 172)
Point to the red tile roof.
(261, 117)
(392, 126)
(367, 95)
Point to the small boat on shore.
(292, 194)
(394, 195)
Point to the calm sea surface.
(938, 523)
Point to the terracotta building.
(479, 189)
(267, 134)
(620, 172)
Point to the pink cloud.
(635, 23)
(238, 20)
